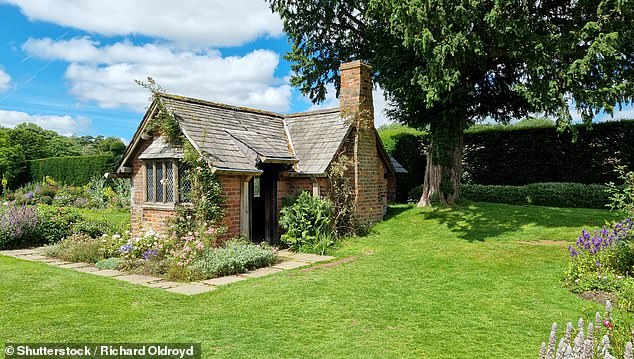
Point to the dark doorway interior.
(263, 196)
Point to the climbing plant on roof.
(206, 208)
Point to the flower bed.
(186, 258)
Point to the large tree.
(445, 64)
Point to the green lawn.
(433, 283)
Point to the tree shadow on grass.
(474, 221)
(394, 210)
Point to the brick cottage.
(261, 157)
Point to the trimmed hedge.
(518, 155)
(573, 195)
(404, 144)
(76, 170)
(500, 156)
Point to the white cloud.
(192, 22)
(105, 74)
(65, 125)
(378, 99)
(5, 81)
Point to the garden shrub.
(110, 263)
(57, 223)
(306, 222)
(574, 195)
(232, 258)
(622, 197)
(76, 248)
(19, 227)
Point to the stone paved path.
(290, 260)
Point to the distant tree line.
(28, 141)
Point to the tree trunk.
(444, 162)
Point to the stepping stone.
(88, 269)
(17, 252)
(285, 253)
(290, 265)
(310, 258)
(108, 273)
(74, 265)
(137, 278)
(224, 280)
(192, 289)
(261, 272)
(34, 257)
(163, 284)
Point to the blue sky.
(69, 66)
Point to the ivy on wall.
(206, 198)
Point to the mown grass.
(431, 283)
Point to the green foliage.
(342, 197)
(307, 222)
(232, 258)
(77, 170)
(447, 64)
(57, 223)
(512, 156)
(405, 144)
(622, 197)
(517, 155)
(76, 248)
(558, 194)
(13, 166)
(110, 263)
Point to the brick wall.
(369, 170)
(231, 192)
(142, 217)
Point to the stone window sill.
(171, 206)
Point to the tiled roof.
(397, 166)
(218, 131)
(316, 137)
(160, 148)
(237, 138)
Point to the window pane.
(159, 181)
(150, 182)
(256, 187)
(169, 181)
(185, 185)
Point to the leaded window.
(166, 182)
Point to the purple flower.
(126, 248)
(573, 251)
(30, 195)
(149, 253)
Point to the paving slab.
(33, 257)
(74, 265)
(137, 278)
(292, 264)
(284, 253)
(192, 289)
(163, 284)
(261, 272)
(17, 252)
(88, 269)
(108, 273)
(310, 258)
(224, 280)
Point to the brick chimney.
(355, 96)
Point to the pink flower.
(607, 324)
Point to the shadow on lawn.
(479, 221)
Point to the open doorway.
(263, 199)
